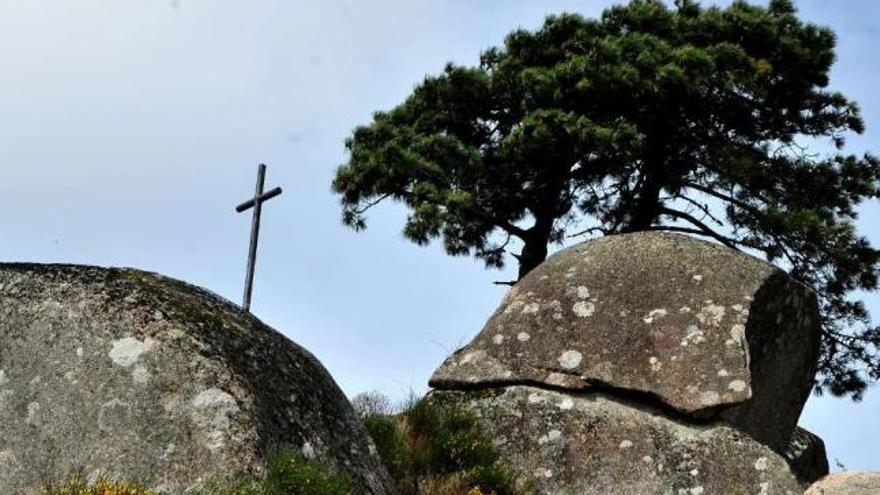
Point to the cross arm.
(271, 193)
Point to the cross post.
(256, 203)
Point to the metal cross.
(256, 203)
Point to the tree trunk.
(533, 253)
(646, 210)
(647, 207)
(545, 211)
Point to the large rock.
(847, 483)
(592, 444)
(680, 322)
(128, 373)
(806, 456)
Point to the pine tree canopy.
(682, 118)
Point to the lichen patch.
(515, 305)
(583, 309)
(570, 359)
(738, 333)
(212, 411)
(472, 356)
(737, 385)
(556, 308)
(693, 335)
(709, 398)
(531, 308)
(126, 351)
(655, 314)
(711, 314)
(762, 463)
(551, 436)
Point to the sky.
(131, 129)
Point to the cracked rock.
(595, 444)
(704, 330)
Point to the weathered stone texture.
(129, 373)
(806, 456)
(593, 444)
(696, 326)
(847, 483)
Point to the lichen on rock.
(701, 328)
(133, 374)
(655, 364)
(595, 444)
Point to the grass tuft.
(433, 449)
(102, 486)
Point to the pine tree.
(685, 118)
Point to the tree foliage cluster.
(703, 120)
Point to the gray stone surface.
(128, 373)
(806, 456)
(847, 483)
(593, 444)
(695, 326)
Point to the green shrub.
(288, 474)
(434, 449)
(395, 453)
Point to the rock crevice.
(634, 398)
(667, 325)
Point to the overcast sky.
(130, 129)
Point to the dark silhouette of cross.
(256, 203)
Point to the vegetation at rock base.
(284, 474)
(703, 120)
(430, 450)
(101, 486)
(433, 449)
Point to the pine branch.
(367, 206)
(703, 228)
